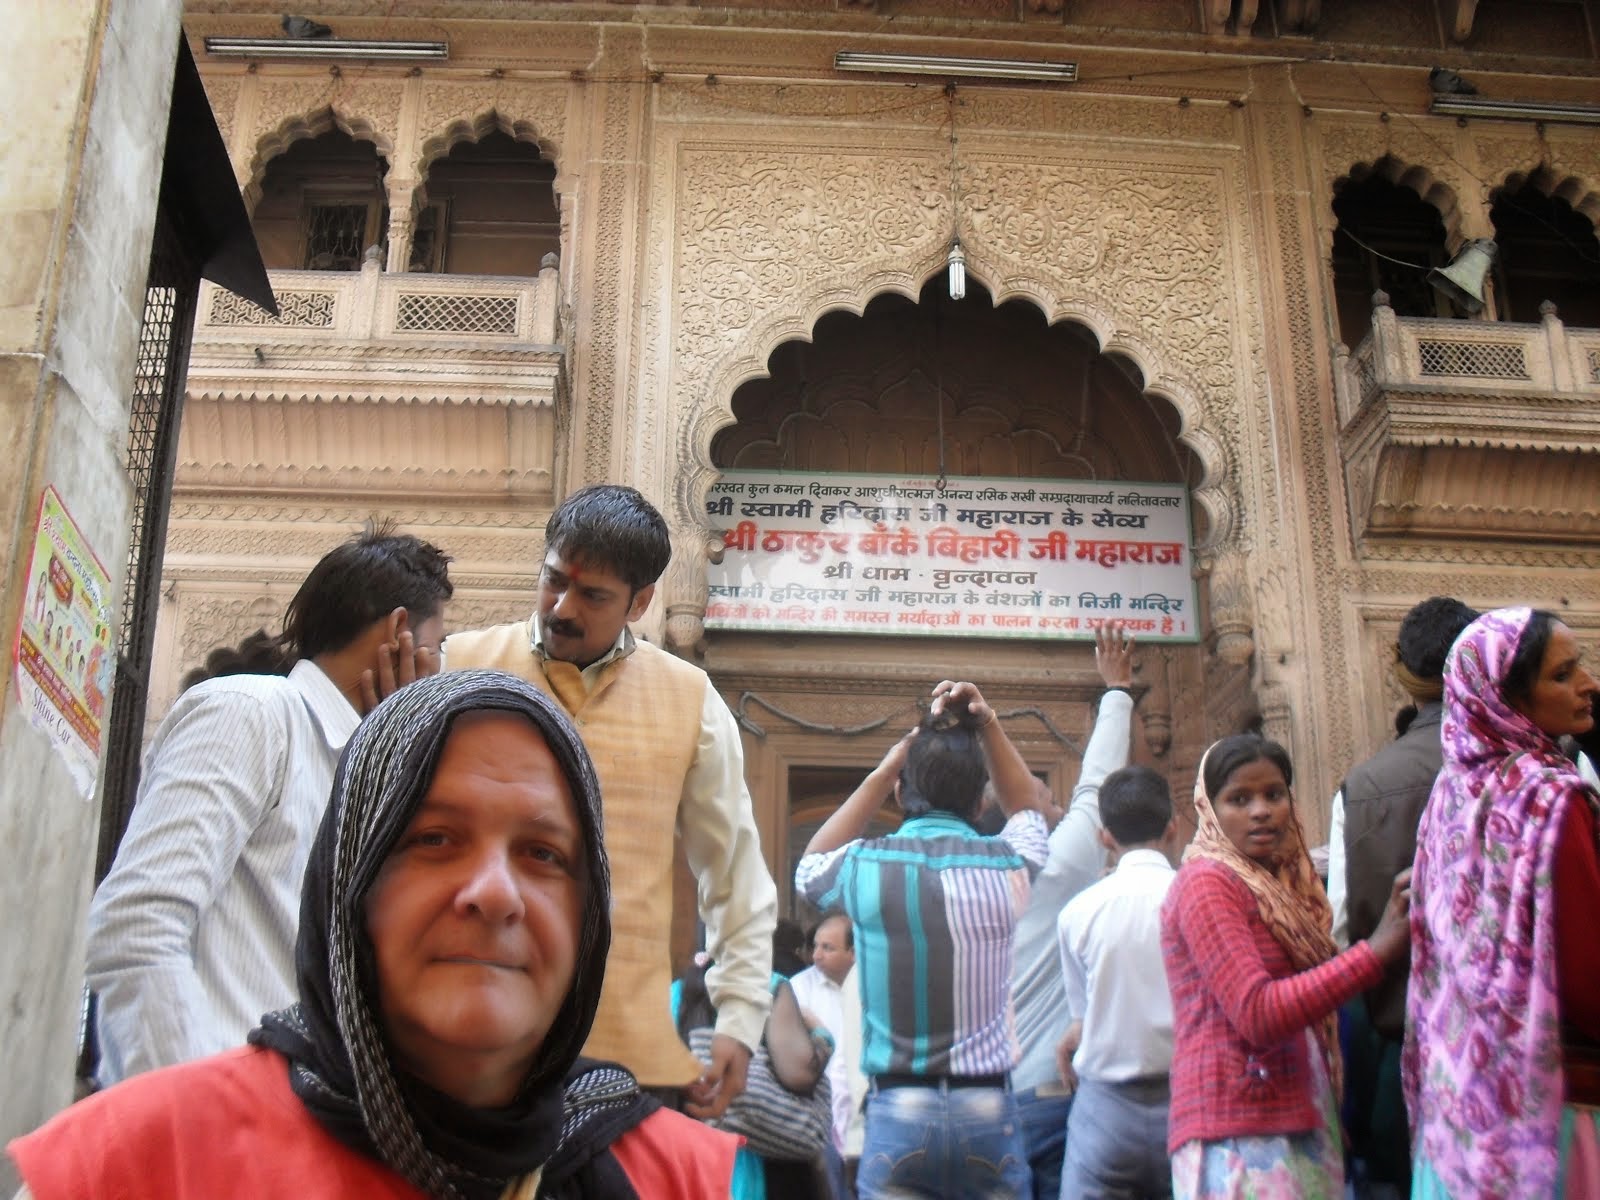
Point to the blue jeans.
(931, 1142)
(1117, 1142)
(1044, 1132)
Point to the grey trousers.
(1117, 1142)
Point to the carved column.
(1155, 709)
(606, 264)
(404, 195)
(1301, 530)
(1231, 621)
(685, 592)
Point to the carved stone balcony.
(1477, 429)
(378, 383)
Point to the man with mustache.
(669, 759)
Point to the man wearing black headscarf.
(454, 928)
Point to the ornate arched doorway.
(1022, 398)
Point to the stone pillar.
(605, 264)
(1155, 712)
(86, 86)
(402, 220)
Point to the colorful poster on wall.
(63, 655)
(1004, 558)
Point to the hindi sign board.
(1007, 558)
(63, 656)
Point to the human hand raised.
(1113, 654)
(952, 695)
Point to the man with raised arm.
(934, 906)
(1076, 859)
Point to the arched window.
(1387, 239)
(1547, 252)
(491, 210)
(322, 204)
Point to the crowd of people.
(390, 919)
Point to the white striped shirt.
(191, 936)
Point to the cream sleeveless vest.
(641, 725)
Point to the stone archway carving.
(1162, 377)
(475, 129)
(1413, 175)
(1574, 190)
(529, 112)
(1217, 492)
(309, 124)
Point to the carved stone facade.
(721, 188)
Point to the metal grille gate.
(157, 406)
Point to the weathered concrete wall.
(85, 86)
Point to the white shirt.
(1338, 898)
(825, 999)
(191, 936)
(1075, 860)
(1116, 982)
(717, 826)
(850, 1051)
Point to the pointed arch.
(310, 124)
(440, 142)
(1575, 191)
(1162, 376)
(1429, 188)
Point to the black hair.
(788, 947)
(257, 654)
(1239, 750)
(613, 527)
(1428, 631)
(836, 914)
(1403, 718)
(1135, 805)
(362, 581)
(1523, 671)
(944, 768)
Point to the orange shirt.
(230, 1126)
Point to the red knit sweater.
(1240, 1064)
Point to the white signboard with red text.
(984, 557)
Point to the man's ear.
(395, 624)
(641, 601)
(1106, 840)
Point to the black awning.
(197, 179)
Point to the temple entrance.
(919, 388)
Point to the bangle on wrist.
(1119, 687)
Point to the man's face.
(832, 953)
(583, 608)
(475, 915)
(429, 634)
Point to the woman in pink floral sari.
(1503, 1021)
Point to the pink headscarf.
(1482, 1059)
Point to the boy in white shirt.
(1118, 1048)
